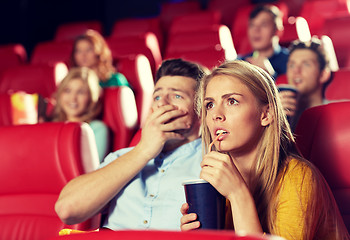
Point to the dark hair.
(314, 45)
(179, 67)
(272, 10)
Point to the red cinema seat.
(170, 10)
(339, 88)
(194, 22)
(37, 161)
(160, 235)
(138, 72)
(120, 115)
(41, 79)
(209, 57)
(70, 31)
(138, 26)
(323, 137)
(227, 8)
(339, 31)
(51, 52)
(146, 44)
(219, 36)
(5, 109)
(12, 55)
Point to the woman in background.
(91, 50)
(255, 164)
(78, 99)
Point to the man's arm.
(87, 194)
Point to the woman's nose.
(218, 115)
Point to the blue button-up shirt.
(153, 198)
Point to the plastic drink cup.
(204, 200)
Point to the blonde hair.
(105, 67)
(277, 144)
(89, 77)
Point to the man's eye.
(156, 98)
(178, 96)
(209, 105)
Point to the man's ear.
(266, 116)
(325, 75)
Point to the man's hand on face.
(161, 126)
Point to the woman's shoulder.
(97, 124)
(298, 172)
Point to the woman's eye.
(232, 101)
(209, 105)
(178, 96)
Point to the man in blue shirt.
(265, 26)
(140, 187)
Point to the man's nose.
(163, 101)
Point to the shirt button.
(145, 221)
(151, 195)
(162, 170)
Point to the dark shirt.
(278, 60)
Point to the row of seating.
(51, 154)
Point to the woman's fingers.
(190, 226)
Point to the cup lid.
(194, 181)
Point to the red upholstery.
(323, 137)
(120, 115)
(41, 79)
(137, 26)
(138, 72)
(160, 235)
(5, 110)
(12, 55)
(194, 21)
(170, 10)
(316, 12)
(51, 52)
(146, 44)
(70, 31)
(219, 36)
(209, 57)
(338, 30)
(36, 162)
(228, 9)
(281, 79)
(339, 88)
(136, 138)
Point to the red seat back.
(339, 32)
(49, 53)
(42, 79)
(120, 115)
(138, 72)
(70, 31)
(5, 109)
(136, 27)
(12, 55)
(146, 44)
(339, 88)
(323, 137)
(37, 161)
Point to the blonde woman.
(78, 99)
(91, 50)
(255, 164)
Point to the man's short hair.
(272, 10)
(314, 45)
(179, 67)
